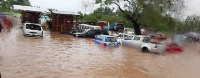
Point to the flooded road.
(65, 56)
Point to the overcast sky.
(192, 6)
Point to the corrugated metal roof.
(30, 8)
(64, 12)
(42, 10)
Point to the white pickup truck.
(143, 43)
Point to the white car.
(143, 43)
(120, 37)
(129, 31)
(32, 29)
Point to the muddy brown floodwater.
(65, 56)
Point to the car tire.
(145, 50)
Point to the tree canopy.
(147, 13)
(5, 5)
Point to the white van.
(32, 29)
(95, 27)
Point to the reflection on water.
(65, 56)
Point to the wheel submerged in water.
(145, 50)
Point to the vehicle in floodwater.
(32, 29)
(105, 40)
(174, 47)
(93, 33)
(143, 43)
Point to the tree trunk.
(134, 21)
(137, 28)
(136, 25)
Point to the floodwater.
(64, 56)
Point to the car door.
(136, 42)
(90, 33)
(127, 41)
(98, 39)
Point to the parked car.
(92, 33)
(179, 37)
(32, 29)
(81, 33)
(112, 26)
(120, 26)
(73, 31)
(92, 27)
(173, 46)
(105, 40)
(143, 43)
(158, 37)
(193, 35)
(120, 37)
(129, 31)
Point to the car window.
(90, 32)
(129, 38)
(33, 27)
(99, 38)
(110, 39)
(137, 38)
(174, 45)
(120, 35)
(146, 40)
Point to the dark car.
(75, 31)
(72, 31)
(158, 37)
(120, 26)
(92, 33)
(81, 33)
(193, 35)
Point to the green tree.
(90, 18)
(192, 23)
(103, 10)
(146, 12)
(5, 5)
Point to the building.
(30, 14)
(62, 21)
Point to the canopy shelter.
(63, 21)
(30, 14)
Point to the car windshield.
(110, 39)
(33, 27)
(129, 38)
(84, 31)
